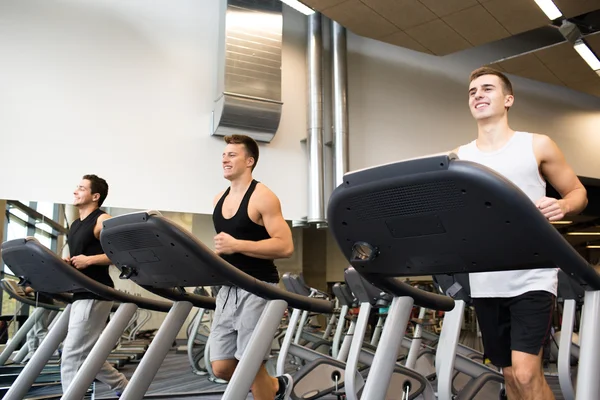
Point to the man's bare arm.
(280, 245)
(558, 172)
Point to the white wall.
(124, 89)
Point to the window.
(23, 219)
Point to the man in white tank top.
(514, 308)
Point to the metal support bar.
(564, 350)
(21, 334)
(40, 358)
(415, 345)
(287, 341)
(588, 384)
(157, 351)
(106, 342)
(446, 350)
(384, 362)
(259, 345)
(352, 386)
(337, 337)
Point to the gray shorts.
(236, 315)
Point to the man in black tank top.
(251, 233)
(89, 312)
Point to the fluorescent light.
(587, 54)
(561, 222)
(593, 246)
(299, 6)
(549, 8)
(583, 233)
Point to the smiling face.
(488, 97)
(236, 161)
(82, 196)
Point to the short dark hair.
(507, 85)
(249, 143)
(98, 185)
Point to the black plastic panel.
(155, 252)
(44, 271)
(486, 224)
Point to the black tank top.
(82, 241)
(240, 226)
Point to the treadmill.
(436, 215)
(162, 257)
(44, 271)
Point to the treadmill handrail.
(212, 261)
(206, 302)
(422, 298)
(243, 280)
(7, 286)
(72, 273)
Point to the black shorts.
(520, 323)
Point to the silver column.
(340, 102)
(315, 120)
(588, 384)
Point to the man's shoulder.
(264, 196)
(218, 197)
(263, 190)
(543, 145)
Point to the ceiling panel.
(555, 54)
(572, 70)
(529, 66)
(517, 64)
(362, 18)
(516, 16)
(438, 37)
(321, 5)
(402, 13)
(594, 42)
(403, 40)
(443, 8)
(540, 72)
(573, 8)
(591, 86)
(476, 25)
(442, 27)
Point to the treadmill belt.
(555, 386)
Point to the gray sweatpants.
(37, 333)
(86, 322)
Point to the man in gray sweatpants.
(89, 312)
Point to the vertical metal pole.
(315, 120)
(340, 102)
(588, 384)
(156, 353)
(386, 355)
(564, 350)
(36, 364)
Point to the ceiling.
(445, 27)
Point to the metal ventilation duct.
(340, 103)
(316, 211)
(248, 98)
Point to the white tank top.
(516, 161)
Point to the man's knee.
(526, 369)
(526, 375)
(223, 369)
